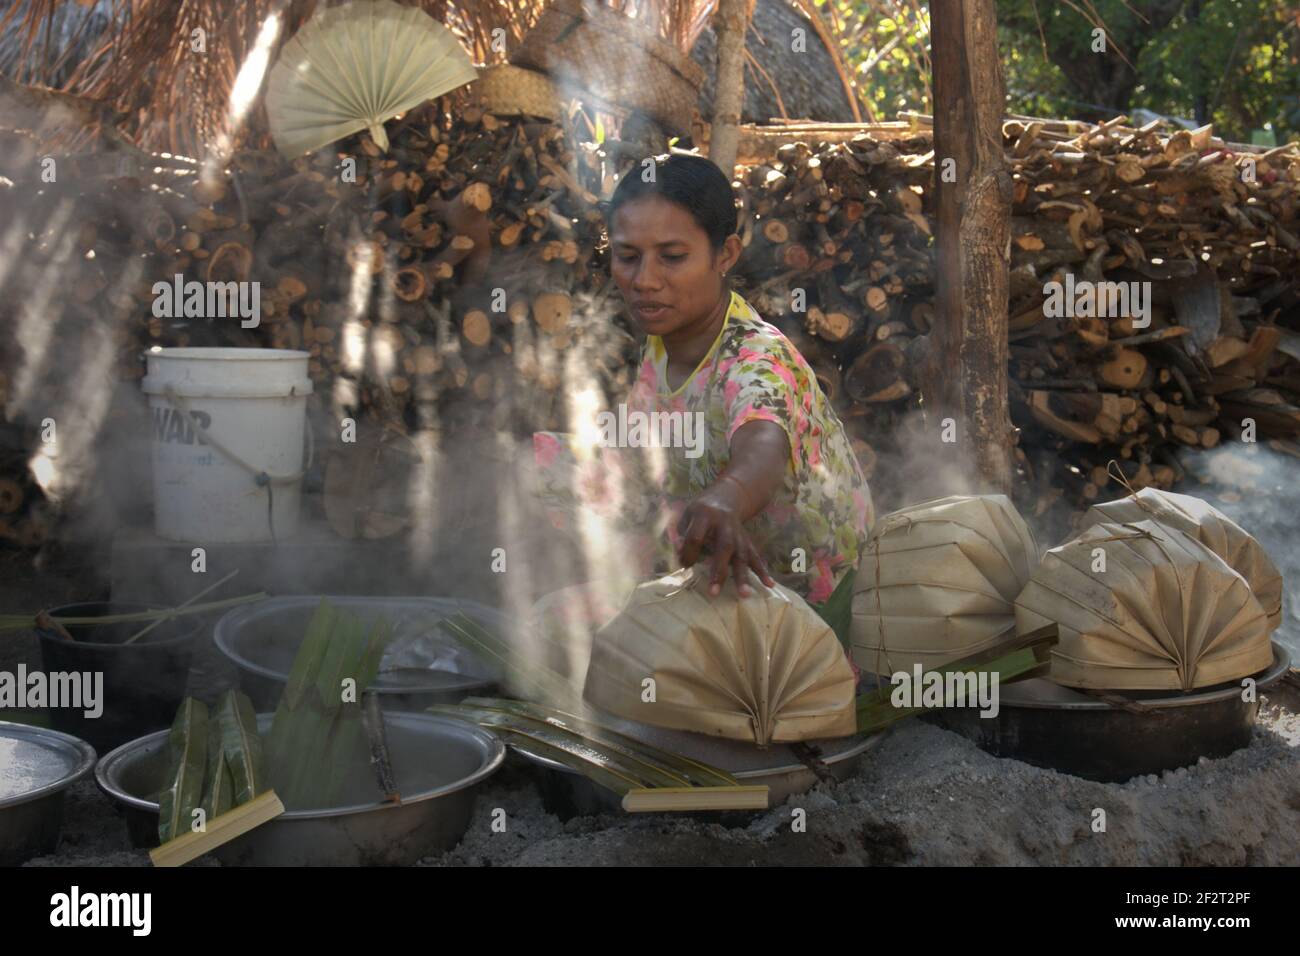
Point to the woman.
(776, 488)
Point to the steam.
(1255, 486)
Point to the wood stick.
(222, 829)
(206, 591)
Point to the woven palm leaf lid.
(1143, 606)
(1208, 525)
(759, 668)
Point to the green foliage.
(1236, 62)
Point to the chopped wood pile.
(457, 280)
(1096, 374)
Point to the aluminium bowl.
(37, 766)
(438, 763)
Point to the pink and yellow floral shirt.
(811, 531)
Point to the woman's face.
(669, 274)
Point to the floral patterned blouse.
(810, 532)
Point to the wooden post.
(970, 331)
(732, 20)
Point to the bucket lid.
(195, 372)
(35, 761)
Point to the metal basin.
(567, 793)
(36, 768)
(438, 762)
(1048, 725)
(262, 639)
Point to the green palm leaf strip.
(601, 768)
(1016, 659)
(616, 759)
(240, 745)
(10, 622)
(219, 790)
(548, 684)
(695, 773)
(187, 747)
(601, 774)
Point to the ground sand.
(923, 796)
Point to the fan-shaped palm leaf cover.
(759, 668)
(1208, 525)
(354, 66)
(1144, 606)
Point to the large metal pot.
(262, 639)
(36, 768)
(1048, 725)
(144, 682)
(438, 763)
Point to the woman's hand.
(760, 458)
(713, 521)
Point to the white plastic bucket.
(227, 428)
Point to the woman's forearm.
(760, 459)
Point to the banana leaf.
(219, 790)
(240, 745)
(307, 662)
(294, 745)
(317, 737)
(347, 744)
(187, 746)
(837, 610)
(1016, 659)
(695, 773)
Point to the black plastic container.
(144, 682)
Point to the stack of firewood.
(457, 268)
(839, 253)
(459, 278)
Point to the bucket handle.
(259, 475)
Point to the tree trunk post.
(964, 376)
(732, 20)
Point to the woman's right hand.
(713, 522)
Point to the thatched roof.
(134, 57)
(807, 81)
